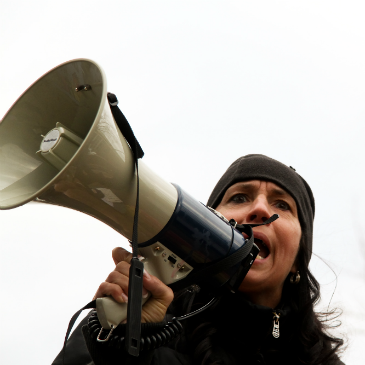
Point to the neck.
(264, 298)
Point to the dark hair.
(314, 344)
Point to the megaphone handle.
(111, 313)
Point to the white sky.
(202, 83)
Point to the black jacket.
(243, 334)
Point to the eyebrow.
(244, 185)
(273, 191)
(278, 191)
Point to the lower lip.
(259, 261)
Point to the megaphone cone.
(59, 144)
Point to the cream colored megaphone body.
(59, 144)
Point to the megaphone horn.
(62, 146)
(59, 144)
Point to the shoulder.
(335, 361)
(166, 355)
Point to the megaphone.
(60, 144)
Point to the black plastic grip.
(133, 332)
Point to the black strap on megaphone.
(124, 126)
(133, 330)
(90, 305)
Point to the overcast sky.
(202, 83)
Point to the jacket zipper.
(275, 330)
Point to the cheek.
(290, 243)
(221, 210)
(231, 213)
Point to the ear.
(294, 268)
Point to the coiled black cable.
(149, 342)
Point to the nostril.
(255, 218)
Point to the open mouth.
(264, 251)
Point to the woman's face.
(254, 202)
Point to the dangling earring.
(295, 278)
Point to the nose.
(259, 211)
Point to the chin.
(254, 281)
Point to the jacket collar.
(245, 319)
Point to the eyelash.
(235, 197)
(283, 202)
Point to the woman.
(271, 319)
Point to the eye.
(282, 205)
(238, 198)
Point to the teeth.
(260, 257)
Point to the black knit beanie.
(260, 167)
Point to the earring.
(295, 278)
